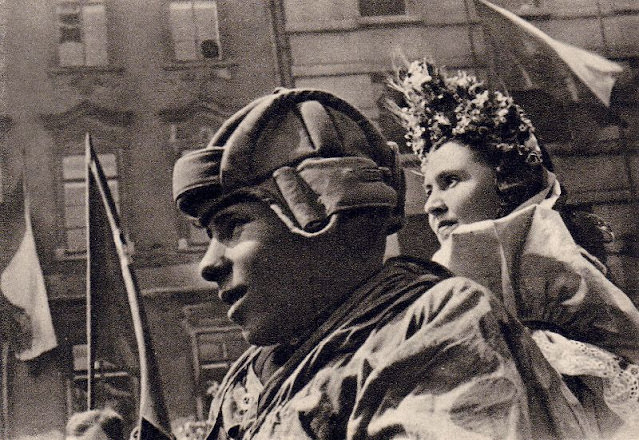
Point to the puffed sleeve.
(455, 366)
(531, 262)
(555, 282)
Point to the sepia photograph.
(319, 219)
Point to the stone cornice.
(185, 112)
(83, 110)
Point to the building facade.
(349, 47)
(152, 79)
(148, 80)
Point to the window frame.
(114, 378)
(198, 36)
(92, 49)
(77, 180)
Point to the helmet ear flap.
(301, 200)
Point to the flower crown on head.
(438, 108)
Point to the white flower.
(417, 75)
(480, 99)
(441, 118)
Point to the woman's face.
(460, 189)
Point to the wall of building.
(141, 102)
(133, 106)
(334, 48)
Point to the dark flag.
(117, 330)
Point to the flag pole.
(89, 320)
(471, 37)
(153, 421)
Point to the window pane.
(73, 166)
(182, 24)
(185, 50)
(74, 194)
(70, 49)
(206, 20)
(113, 186)
(370, 8)
(76, 240)
(71, 54)
(72, 34)
(208, 35)
(109, 165)
(79, 357)
(95, 34)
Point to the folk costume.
(587, 328)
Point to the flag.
(526, 58)
(22, 281)
(117, 330)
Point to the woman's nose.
(435, 204)
(214, 264)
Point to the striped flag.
(22, 281)
(117, 329)
(527, 58)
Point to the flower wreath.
(438, 108)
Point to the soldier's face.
(265, 273)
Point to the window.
(374, 8)
(82, 34)
(195, 31)
(215, 345)
(74, 174)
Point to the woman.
(497, 211)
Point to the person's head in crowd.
(98, 424)
(298, 191)
(480, 156)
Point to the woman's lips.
(445, 227)
(231, 296)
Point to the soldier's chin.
(260, 338)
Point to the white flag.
(22, 283)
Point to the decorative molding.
(87, 79)
(218, 68)
(85, 70)
(83, 110)
(200, 105)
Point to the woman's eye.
(450, 181)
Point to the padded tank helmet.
(307, 153)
